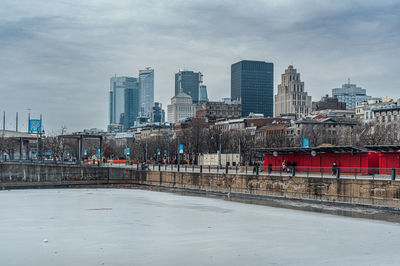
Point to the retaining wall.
(384, 193)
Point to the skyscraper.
(203, 94)
(252, 83)
(189, 83)
(291, 97)
(351, 95)
(146, 92)
(156, 113)
(124, 101)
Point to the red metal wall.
(346, 161)
(387, 161)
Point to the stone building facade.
(291, 97)
(181, 108)
(387, 122)
(220, 110)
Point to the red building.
(349, 159)
(389, 157)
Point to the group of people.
(289, 166)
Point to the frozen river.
(137, 227)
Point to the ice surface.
(136, 227)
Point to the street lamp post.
(178, 154)
(37, 146)
(145, 158)
(220, 150)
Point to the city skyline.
(65, 53)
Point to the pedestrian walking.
(294, 166)
(334, 169)
(269, 168)
(288, 166)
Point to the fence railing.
(288, 171)
(303, 171)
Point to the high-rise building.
(252, 83)
(291, 97)
(124, 101)
(156, 113)
(203, 93)
(181, 108)
(146, 92)
(189, 83)
(351, 95)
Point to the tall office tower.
(252, 83)
(124, 101)
(351, 95)
(146, 92)
(189, 83)
(203, 94)
(156, 113)
(291, 97)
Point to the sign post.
(306, 143)
(35, 126)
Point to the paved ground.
(326, 173)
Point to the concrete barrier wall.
(385, 193)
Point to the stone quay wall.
(377, 193)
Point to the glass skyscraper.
(351, 95)
(203, 94)
(252, 83)
(189, 83)
(124, 101)
(146, 93)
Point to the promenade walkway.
(354, 173)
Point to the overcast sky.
(56, 57)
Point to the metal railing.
(273, 171)
(300, 171)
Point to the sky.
(57, 57)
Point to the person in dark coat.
(288, 166)
(294, 166)
(334, 169)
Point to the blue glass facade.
(124, 101)
(351, 95)
(189, 83)
(252, 83)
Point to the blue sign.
(180, 148)
(165, 152)
(306, 143)
(67, 152)
(158, 151)
(35, 125)
(98, 152)
(84, 152)
(127, 151)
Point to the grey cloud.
(58, 57)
